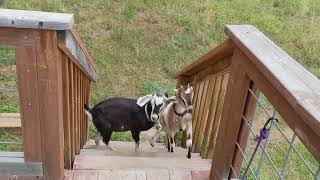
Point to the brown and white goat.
(175, 116)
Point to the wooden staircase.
(96, 162)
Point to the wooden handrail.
(250, 61)
(221, 52)
(297, 85)
(54, 72)
(35, 19)
(73, 47)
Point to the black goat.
(124, 114)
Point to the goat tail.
(87, 111)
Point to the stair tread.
(99, 152)
(130, 147)
(83, 162)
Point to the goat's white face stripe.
(188, 90)
(155, 101)
(158, 100)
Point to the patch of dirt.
(147, 19)
(102, 33)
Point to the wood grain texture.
(213, 108)
(80, 109)
(88, 102)
(18, 37)
(157, 174)
(296, 84)
(10, 120)
(69, 45)
(72, 110)
(85, 175)
(219, 53)
(180, 175)
(199, 115)
(76, 78)
(205, 113)
(195, 103)
(217, 116)
(121, 163)
(35, 19)
(213, 70)
(66, 113)
(27, 80)
(49, 65)
(237, 90)
(83, 47)
(20, 169)
(243, 135)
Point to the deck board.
(125, 164)
(136, 174)
(10, 120)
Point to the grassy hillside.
(138, 45)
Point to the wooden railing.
(209, 76)
(54, 71)
(248, 62)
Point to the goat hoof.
(189, 155)
(110, 148)
(152, 144)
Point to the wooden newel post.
(49, 64)
(235, 100)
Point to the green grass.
(10, 135)
(138, 45)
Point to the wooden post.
(235, 99)
(66, 113)
(29, 106)
(244, 131)
(72, 108)
(49, 64)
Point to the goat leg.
(106, 138)
(97, 139)
(156, 135)
(136, 137)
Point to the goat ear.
(144, 100)
(175, 90)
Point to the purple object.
(264, 132)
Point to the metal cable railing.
(280, 171)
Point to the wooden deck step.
(125, 163)
(150, 163)
(99, 152)
(121, 146)
(10, 120)
(136, 174)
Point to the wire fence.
(281, 155)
